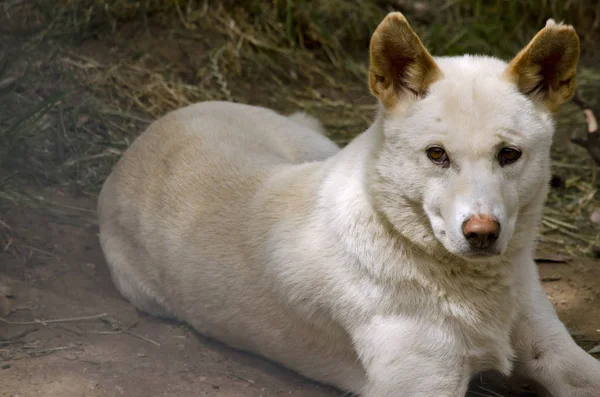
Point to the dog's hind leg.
(129, 279)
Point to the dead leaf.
(551, 258)
(7, 300)
(549, 279)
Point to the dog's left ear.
(545, 69)
(400, 65)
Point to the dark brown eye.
(508, 156)
(438, 156)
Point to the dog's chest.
(485, 337)
(480, 314)
(476, 314)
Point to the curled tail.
(308, 121)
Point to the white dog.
(398, 266)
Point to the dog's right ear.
(400, 64)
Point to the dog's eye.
(438, 156)
(508, 156)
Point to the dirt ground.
(119, 351)
(64, 329)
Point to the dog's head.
(465, 146)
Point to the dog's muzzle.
(481, 232)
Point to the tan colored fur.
(350, 266)
(400, 64)
(546, 69)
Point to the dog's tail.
(308, 121)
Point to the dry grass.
(79, 81)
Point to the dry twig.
(59, 320)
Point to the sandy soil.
(54, 269)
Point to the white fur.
(308, 121)
(349, 266)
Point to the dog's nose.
(481, 230)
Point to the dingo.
(399, 266)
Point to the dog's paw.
(592, 392)
(570, 391)
(582, 383)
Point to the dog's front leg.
(407, 357)
(546, 353)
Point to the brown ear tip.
(394, 24)
(395, 17)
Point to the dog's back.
(173, 213)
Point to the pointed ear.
(400, 64)
(545, 69)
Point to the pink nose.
(481, 230)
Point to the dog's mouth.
(474, 254)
